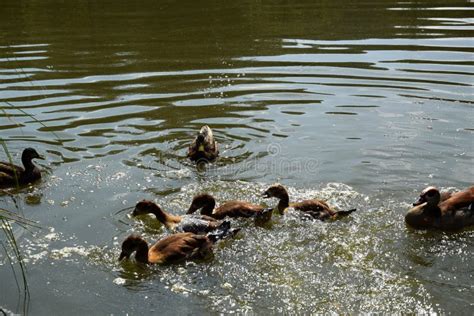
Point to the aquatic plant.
(10, 245)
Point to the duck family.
(194, 235)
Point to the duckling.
(204, 147)
(196, 224)
(171, 249)
(452, 213)
(315, 208)
(206, 203)
(11, 175)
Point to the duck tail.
(345, 213)
(223, 231)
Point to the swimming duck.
(197, 224)
(11, 175)
(207, 203)
(315, 208)
(204, 147)
(171, 249)
(452, 213)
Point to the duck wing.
(196, 224)
(6, 179)
(463, 200)
(237, 209)
(10, 169)
(211, 148)
(314, 207)
(192, 149)
(179, 247)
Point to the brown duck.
(204, 147)
(315, 208)
(454, 212)
(197, 224)
(12, 175)
(207, 203)
(171, 249)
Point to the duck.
(174, 248)
(317, 209)
(12, 175)
(454, 212)
(196, 224)
(233, 209)
(204, 147)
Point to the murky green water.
(360, 103)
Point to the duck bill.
(267, 211)
(419, 201)
(265, 195)
(135, 212)
(40, 157)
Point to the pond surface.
(360, 103)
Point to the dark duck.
(444, 211)
(12, 175)
(204, 147)
(317, 209)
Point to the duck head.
(149, 207)
(204, 201)
(28, 155)
(425, 212)
(276, 190)
(264, 216)
(145, 207)
(134, 243)
(430, 195)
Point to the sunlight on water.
(294, 264)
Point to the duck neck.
(283, 203)
(208, 207)
(161, 215)
(28, 164)
(432, 210)
(142, 252)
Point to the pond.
(362, 104)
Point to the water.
(363, 104)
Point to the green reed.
(10, 245)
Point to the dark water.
(361, 103)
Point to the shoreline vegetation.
(10, 245)
(9, 220)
